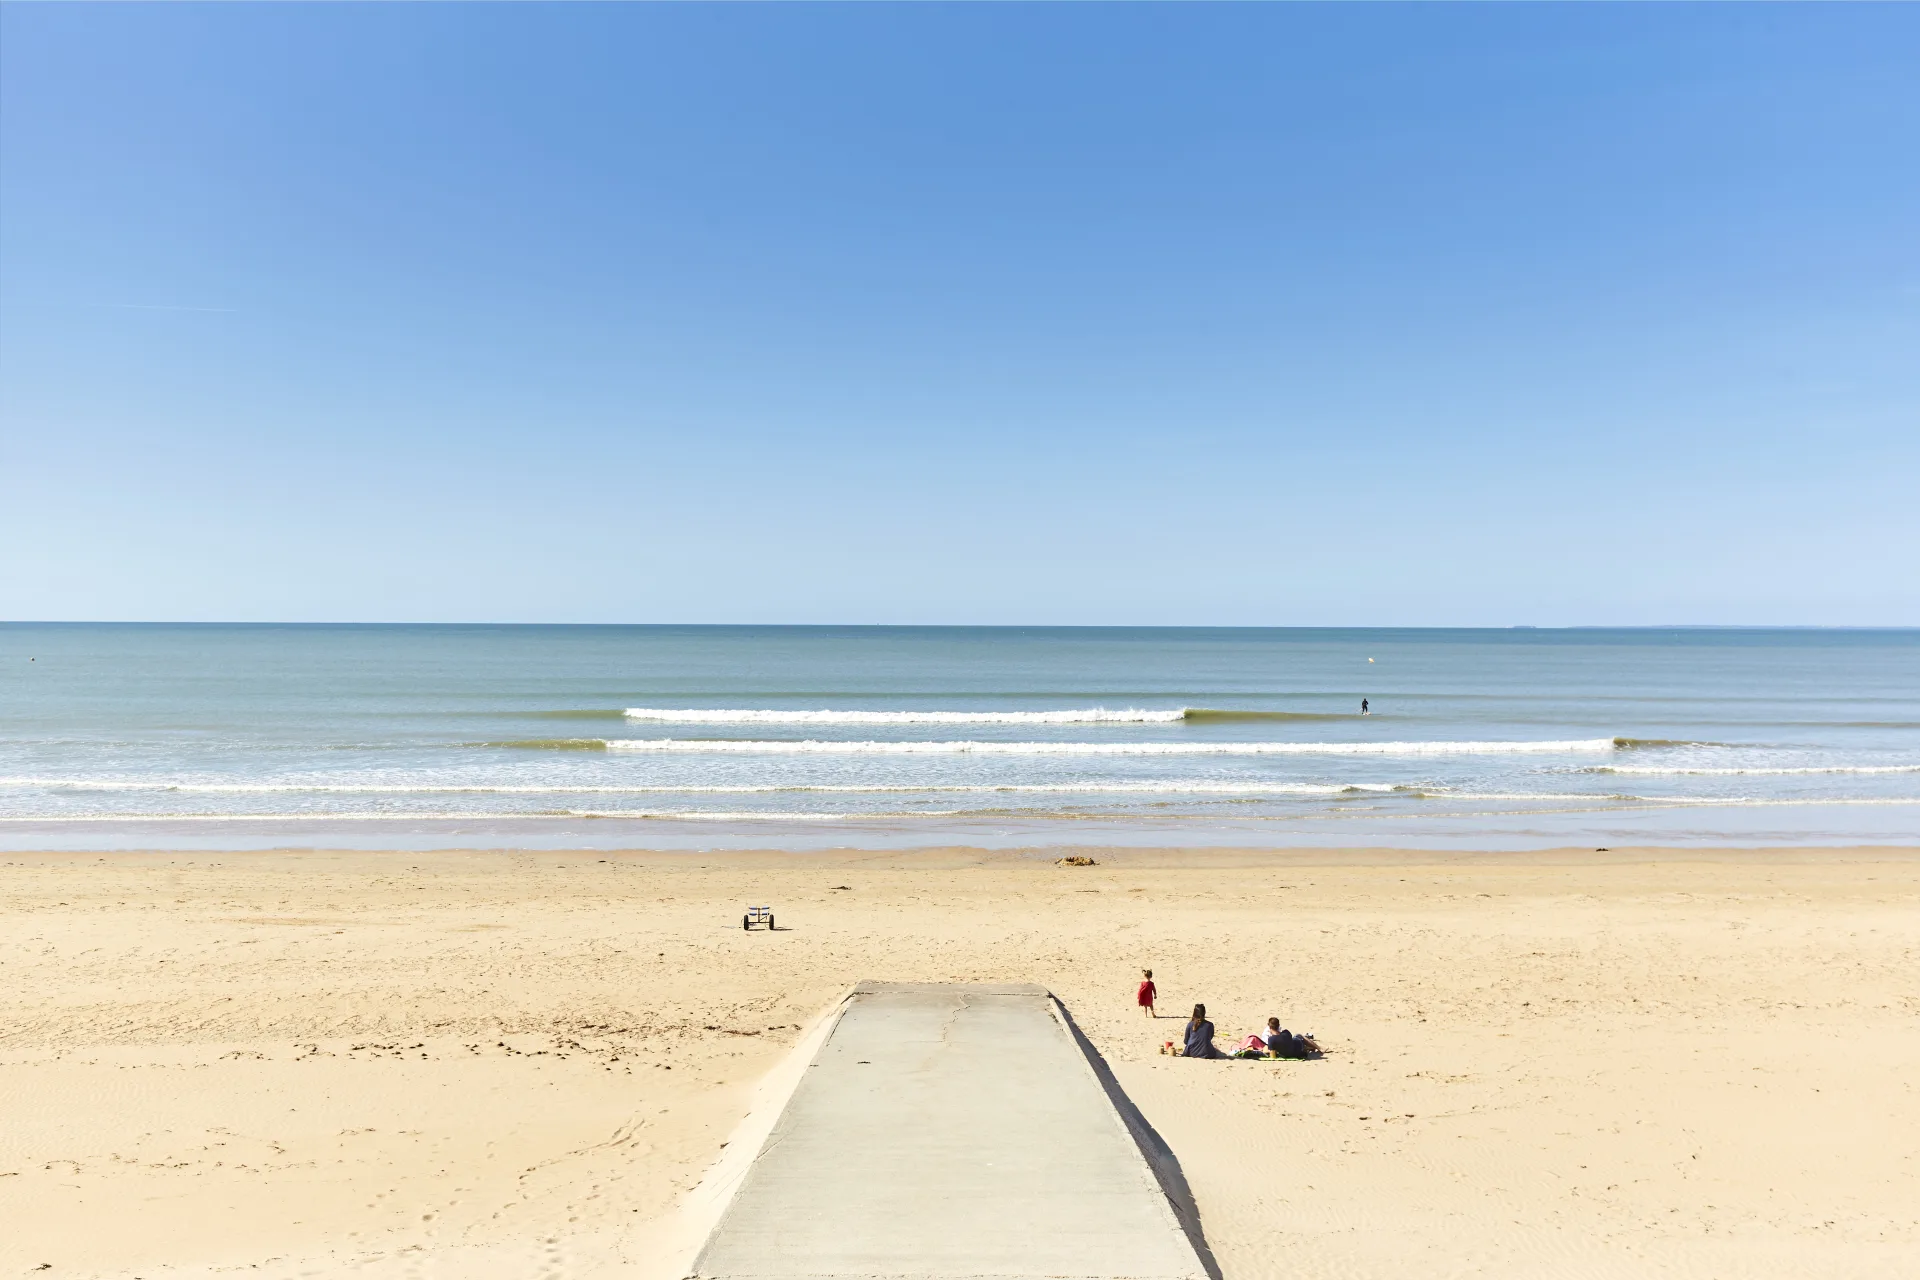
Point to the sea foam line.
(1767, 772)
(765, 746)
(1084, 715)
(281, 788)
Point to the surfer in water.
(1363, 708)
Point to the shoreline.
(1649, 1061)
(1139, 857)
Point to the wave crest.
(786, 746)
(1634, 744)
(1082, 715)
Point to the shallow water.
(229, 736)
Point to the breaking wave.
(1084, 715)
(1171, 787)
(782, 746)
(1079, 715)
(1633, 744)
(402, 789)
(1220, 714)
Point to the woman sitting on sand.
(1200, 1036)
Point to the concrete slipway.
(944, 1132)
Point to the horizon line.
(988, 626)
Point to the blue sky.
(1069, 314)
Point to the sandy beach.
(1640, 1062)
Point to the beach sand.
(1635, 1063)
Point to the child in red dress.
(1146, 994)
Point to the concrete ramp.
(943, 1132)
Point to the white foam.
(1441, 793)
(1766, 772)
(730, 715)
(776, 746)
(421, 815)
(303, 788)
(1739, 801)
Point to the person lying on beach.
(1200, 1036)
(1282, 1043)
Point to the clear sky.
(1066, 314)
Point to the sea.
(118, 736)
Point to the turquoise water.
(703, 737)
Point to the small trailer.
(757, 915)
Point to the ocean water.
(191, 736)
